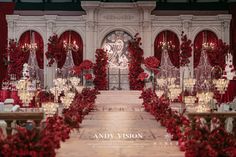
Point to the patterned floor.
(119, 130)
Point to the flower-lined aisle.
(40, 143)
(197, 141)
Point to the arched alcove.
(115, 44)
(70, 41)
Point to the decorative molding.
(118, 17)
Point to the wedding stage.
(102, 131)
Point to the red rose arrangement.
(217, 54)
(53, 54)
(185, 50)
(100, 70)
(135, 61)
(17, 58)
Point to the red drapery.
(5, 9)
(203, 36)
(71, 36)
(174, 54)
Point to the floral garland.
(195, 141)
(100, 70)
(136, 59)
(31, 142)
(186, 50)
(53, 50)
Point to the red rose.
(151, 62)
(88, 76)
(142, 76)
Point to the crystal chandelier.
(32, 46)
(166, 45)
(29, 47)
(221, 85)
(208, 46)
(70, 46)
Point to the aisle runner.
(119, 130)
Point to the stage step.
(118, 97)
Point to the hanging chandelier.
(70, 46)
(32, 46)
(208, 46)
(29, 47)
(166, 45)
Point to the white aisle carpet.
(120, 128)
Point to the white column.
(225, 27)
(145, 15)
(49, 72)
(90, 38)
